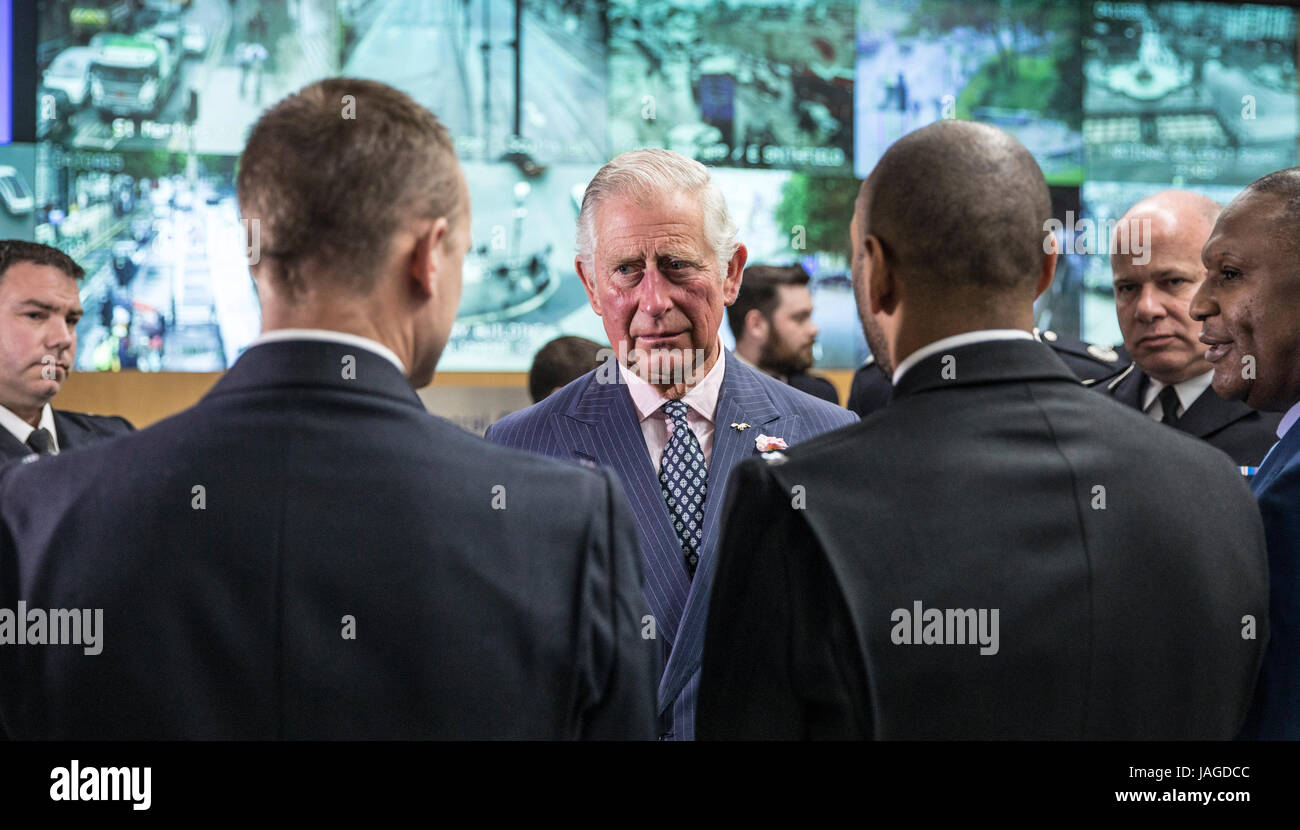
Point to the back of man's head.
(332, 172)
(759, 291)
(960, 209)
(560, 361)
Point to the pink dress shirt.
(701, 400)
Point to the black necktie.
(40, 441)
(1168, 398)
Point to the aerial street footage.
(748, 84)
(1189, 92)
(1013, 65)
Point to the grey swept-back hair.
(647, 174)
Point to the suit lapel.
(69, 434)
(741, 400)
(602, 425)
(1209, 413)
(11, 447)
(1127, 388)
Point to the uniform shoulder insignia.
(1103, 353)
(871, 358)
(1050, 336)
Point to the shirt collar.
(1188, 391)
(23, 430)
(702, 397)
(956, 341)
(330, 336)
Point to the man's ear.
(425, 261)
(1048, 267)
(882, 285)
(588, 277)
(755, 325)
(735, 270)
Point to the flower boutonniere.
(769, 443)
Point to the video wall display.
(1194, 92)
(144, 105)
(1010, 63)
(746, 84)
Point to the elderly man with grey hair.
(669, 410)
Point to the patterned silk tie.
(683, 475)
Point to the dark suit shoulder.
(815, 385)
(103, 425)
(793, 400)
(1090, 362)
(871, 389)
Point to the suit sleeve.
(626, 664)
(1275, 711)
(777, 643)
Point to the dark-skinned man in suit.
(1249, 308)
(1000, 552)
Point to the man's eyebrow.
(40, 305)
(625, 259)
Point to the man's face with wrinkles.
(656, 282)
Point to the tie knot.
(40, 440)
(675, 410)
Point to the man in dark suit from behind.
(1249, 307)
(307, 553)
(1155, 257)
(40, 306)
(1000, 552)
(772, 323)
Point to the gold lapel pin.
(741, 427)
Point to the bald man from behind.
(1001, 553)
(1155, 257)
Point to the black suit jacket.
(493, 593)
(1243, 433)
(74, 429)
(1118, 618)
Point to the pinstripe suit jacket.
(594, 421)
